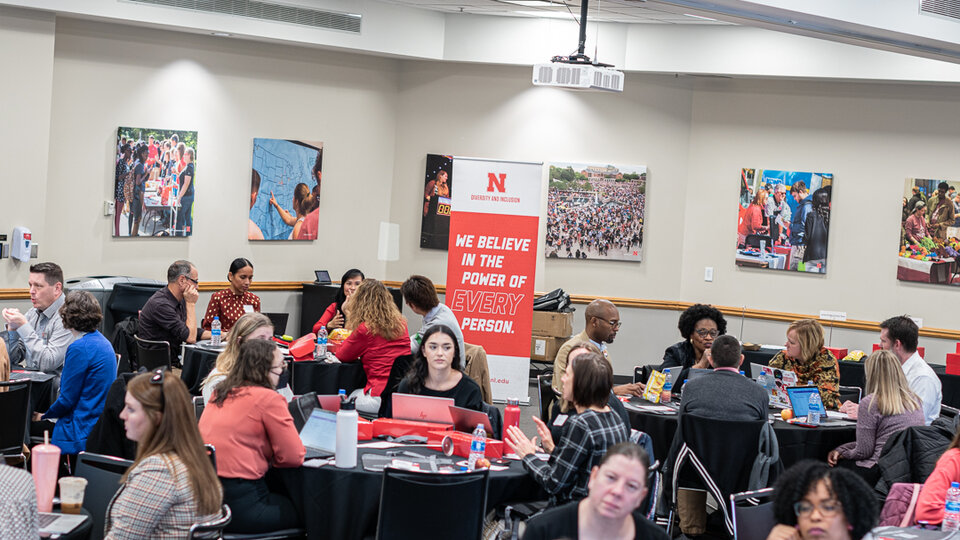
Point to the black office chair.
(212, 454)
(457, 503)
(198, 406)
(399, 370)
(15, 420)
(213, 529)
(546, 394)
(850, 393)
(496, 420)
(279, 321)
(126, 300)
(103, 475)
(714, 454)
(752, 519)
(153, 354)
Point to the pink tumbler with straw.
(45, 462)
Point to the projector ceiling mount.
(580, 57)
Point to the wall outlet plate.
(833, 315)
(33, 250)
(708, 273)
(917, 320)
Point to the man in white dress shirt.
(899, 335)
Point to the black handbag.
(555, 300)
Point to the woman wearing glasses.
(249, 424)
(806, 357)
(699, 325)
(815, 501)
(171, 484)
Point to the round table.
(344, 503)
(42, 392)
(796, 442)
(306, 376)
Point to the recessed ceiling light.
(698, 17)
(534, 3)
(544, 14)
(221, 34)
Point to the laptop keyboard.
(47, 519)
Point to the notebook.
(422, 408)
(54, 523)
(319, 434)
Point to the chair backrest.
(399, 370)
(212, 454)
(850, 393)
(153, 354)
(752, 514)
(720, 455)
(496, 420)
(212, 530)
(103, 475)
(457, 504)
(198, 406)
(279, 321)
(126, 300)
(546, 394)
(15, 420)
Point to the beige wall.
(378, 118)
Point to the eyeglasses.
(194, 281)
(613, 324)
(157, 379)
(826, 508)
(703, 332)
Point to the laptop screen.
(800, 399)
(320, 431)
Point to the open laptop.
(466, 420)
(422, 408)
(319, 434)
(800, 403)
(54, 523)
(329, 402)
(782, 379)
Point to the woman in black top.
(699, 325)
(436, 371)
(140, 175)
(185, 214)
(617, 488)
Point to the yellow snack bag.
(654, 387)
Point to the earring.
(849, 527)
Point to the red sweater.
(376, 353)
(327, 316)
(934, 495)
(252, 431)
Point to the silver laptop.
(54, 523)
(422, 408)
(466, 420)
(319, 434)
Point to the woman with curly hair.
(89, 369)
(699, 325)
(436, 371)
(815, 501)
(806, 356)
(379, 335)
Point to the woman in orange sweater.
(249, 424)
(934, 495)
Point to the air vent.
(943, 8)
(265, 11)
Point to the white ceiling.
(624, 11)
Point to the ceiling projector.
(578, 76)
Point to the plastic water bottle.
(346, 446)
(478, 446)
(951, 511)
(320, 353)
(764, 380)
(813, 409)
(666, 394)
(215, 332)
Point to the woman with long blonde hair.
(171, 484)
(378, 336)
(248, 326)
(806, 356)
(889, 406)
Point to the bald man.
(602, 323)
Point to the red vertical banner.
(491, 264)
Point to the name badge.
(247, 308)
(560, 420)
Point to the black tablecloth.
(795, 442)
(42, 392)
(344, 503)
(950, 385)
(306, 376)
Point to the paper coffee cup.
(71, 494)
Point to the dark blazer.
(679, 355)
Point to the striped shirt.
(156, 502)
(584, 442)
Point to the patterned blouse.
(229, 307)
(156, 502)
(18, 504)
(823, 370)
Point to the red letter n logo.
(496, 182)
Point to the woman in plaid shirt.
(171, 484)
(586, 435)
